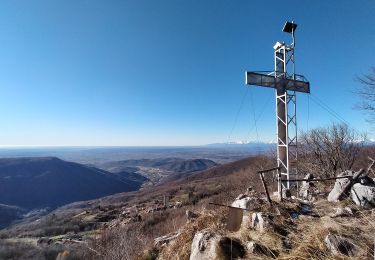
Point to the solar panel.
(289, 27)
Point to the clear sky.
(147, 72)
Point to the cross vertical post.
(286, 83)
(286, 118)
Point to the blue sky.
(148, 72)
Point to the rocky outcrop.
(361, 187)
(249, 201)
(339, 245)
(339, 187)
(164, 240)
(242, 201)
(208, 245)
(204, 245)
(363, 195)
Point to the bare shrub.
(367, 94)
(163, 222)
(363, 161)
(15, 249)
(18, 250)
(133, 240)
(328, 151)
(121, 243)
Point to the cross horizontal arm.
(264, 80)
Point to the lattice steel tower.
(286, 83)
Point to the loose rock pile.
(260, 218)
(358, 186)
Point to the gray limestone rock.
(334, 195)
(261, 221)
(242, 201)
(204, 246)
(164, 240)
(339, 245)
(363, 195)
(343, 212)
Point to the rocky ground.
(313, 226)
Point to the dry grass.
(180, 248)
(305, 233)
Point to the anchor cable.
(237, 114)
(332, 112)
(255, 121)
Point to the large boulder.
(334, 195)
(365, 180)
(204, 246)
(242, 201)
(363, 195)
(339, 245)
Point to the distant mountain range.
(48, 182)
(239, 144)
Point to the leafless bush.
(328, 151)
(163, 222)
(132, 240)
(363, 161)
(367, 94)
(17, 250)
(14, 249)
(121, 243)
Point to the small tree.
(325, 152)
(367, 93)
